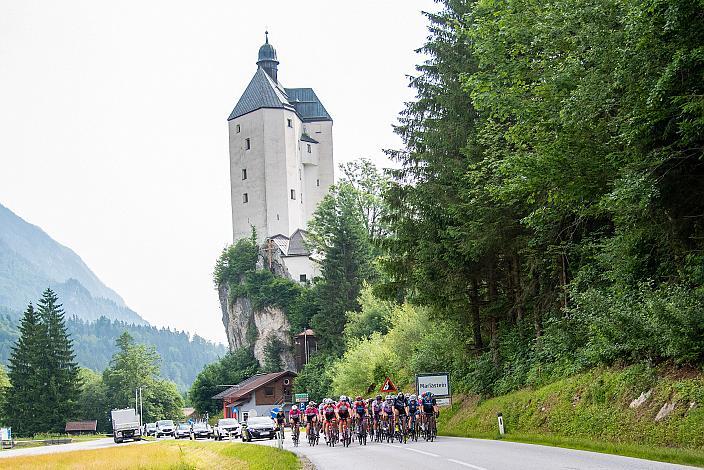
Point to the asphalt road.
(83, 445)
(446, 453)
(462, 454)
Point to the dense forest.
(182, 356)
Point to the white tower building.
(281, 162)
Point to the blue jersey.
(428, 404)
(413, 406)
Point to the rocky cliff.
(253, 328)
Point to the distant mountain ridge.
(31, 261)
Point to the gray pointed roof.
(307, 104)
(261, 92)
(264, 92)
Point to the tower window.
(290, 122)
(308, 148)
(245, 198)
(303, 278)
(317, 182)
(238, 128)
(293, 194)
(244, 173)
(247, 144)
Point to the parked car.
(258, 427)
(125, 425)
(200, 430)
(165, 427)
(150, 429)
(227, 427)
(182, 431)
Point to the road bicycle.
(346, 433)
(280, 436)
(413, 428)
(361, 430)
(400, 430)
(332, 433)
(312, 434)
(430, 428)
(295, 433)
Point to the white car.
(183, 431)
(165, 427)
(226, 428)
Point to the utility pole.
(141, 407)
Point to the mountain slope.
(31, 261)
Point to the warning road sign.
(388, 386)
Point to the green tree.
(93, 401)
(134, 366)
(314, 379)
(231, 369)
(24, 366)
(59, 371)
(339, 234)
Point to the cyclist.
(343, 412)
(294, 418)
(328, 414)
(429, 405)
(311, 414)
(401, 410)
(387, 411)
(360, 410)
(375, 409)
(281, 420)
(413, 410)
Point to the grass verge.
(615, 411)
(164, 455)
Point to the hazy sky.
(113, 131)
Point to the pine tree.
(24, 365)
(60, 370)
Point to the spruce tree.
(25, 390)
(60, 372)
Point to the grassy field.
(592, 411)
(164, 455)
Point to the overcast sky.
(113, 131)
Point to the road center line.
(415, 450)
(459, 462)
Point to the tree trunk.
(476, 318)
(493, 298)
(517, 291)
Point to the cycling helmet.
(343, 398)
(400, 395)
(389, 398)
(413, 398)
(378, 398)
(312, 403)
(359, 398)
(294, 408)
(328, 401)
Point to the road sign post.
(388, 386)
(438, 384)
(501, 423)
(301, 397)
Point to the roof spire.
(266, 34)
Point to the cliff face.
(247, 327)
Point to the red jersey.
(329, 409)
(311, 410)
(343, 407)
(294, 414)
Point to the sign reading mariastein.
(437, 383)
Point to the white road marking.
(415, 450)
(459, 462)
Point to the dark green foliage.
(23, 372)
(550, 194)
(136, 365)
(58, 374)
(236, 260)
(339, 233)
(229, 370)
(272, 355)
(314, 378)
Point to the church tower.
(281, 162)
